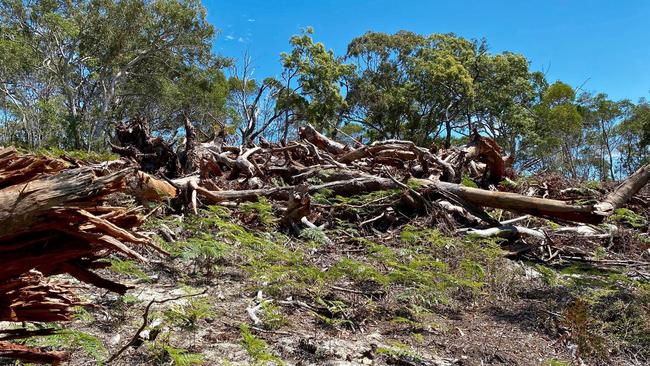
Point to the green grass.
(163, 353)
(606, 309)
(82, 155)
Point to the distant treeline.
(71, 69)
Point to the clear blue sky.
(603, 43)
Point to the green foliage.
(69, 339)
(257, 348)
(181, 357)
(413, 235)
(152, 57)
(315, 234)
(398, 353)
(163, 353)
(468, 182)
(549, 276)
(204, 251)
(336, 312)
(399, 75)
(322, 196)
(262, 209)
(129, 268)
(187, 315)
(318, 77)
(583, 330)
(628, 217)
(607, 310)
(264, 256)
(355, 203)
(553, 362)
(86, 156)
(83, 315)
(272, 316)
(358, 272)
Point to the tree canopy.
(70, 70)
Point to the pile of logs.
(230, 174)
(53, 221)
(54, 218)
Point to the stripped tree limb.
(310, 134)
(624, 192)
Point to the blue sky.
(603, 45)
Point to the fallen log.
(146, 188)
(625, 190)
(351, 186)
(20, 352)
(507, 232)
(542, 207)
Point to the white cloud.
(229, 38)
(240, 40)
(251, 20)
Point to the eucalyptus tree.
(602, 119)
(317, 83)
(634, 133)
(439, 86)
(556, 131)
(94, 60)
(381, 92)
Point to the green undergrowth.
(628, 218)
(189, 314)
(161, 352)
(401, 354)
(71, 340)
(468, 182)
(606, 311)
(421, 267)
(262, 210)
(257, 348)
(361, 204)
(346, 278)
(128, 268)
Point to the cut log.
(146, 188)
(541, 207)
(507, 232)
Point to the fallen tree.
(541, 207)
(53, 221)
